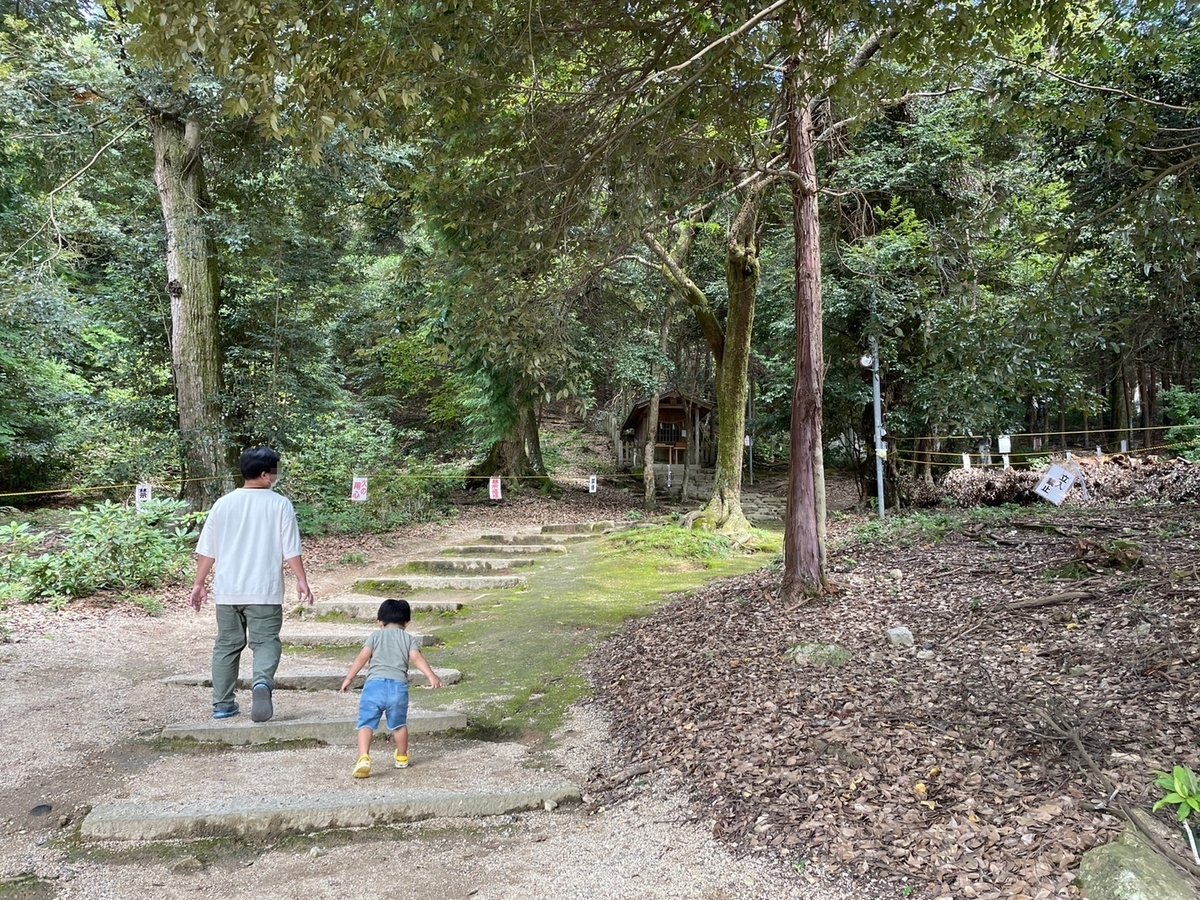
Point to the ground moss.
(27, 887)
(519, 650)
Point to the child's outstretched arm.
(418, 660)
(364, 657)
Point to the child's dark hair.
(394, 612)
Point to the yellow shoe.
(401, 761)
(362, 768)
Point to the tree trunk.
(533, 445)
(731, 353)
(803, 575)
(517, 455)
(724, 509)
(193, 284)
(649, 501)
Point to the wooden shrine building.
(686, 432)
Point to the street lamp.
(871, 361)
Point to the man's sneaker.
(260, 703)
(225, 710)
(401, 761)
(362, 768)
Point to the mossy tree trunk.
(648, 485)
(193, 284)
(517, 456)
(650, 499)
(730, 349)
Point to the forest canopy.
(387, 237)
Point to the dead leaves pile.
(1104, 480)
(1057, 659)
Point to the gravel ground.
(85, 699)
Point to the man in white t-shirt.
(249, 535)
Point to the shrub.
(318, 479)
(102, 546)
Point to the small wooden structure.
(685, 432)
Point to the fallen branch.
(1071, 735)
(1052, 600)
(632, 772)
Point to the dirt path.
(84, 702)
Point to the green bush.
(1183, 406)
(318, 478)
(102, 546)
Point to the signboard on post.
(494, 489)
(1055, 484)
(1004, 444)
(591, 484)
(358, 490)
(142, 493)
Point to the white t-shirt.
(249, 532)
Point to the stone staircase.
(304, 784)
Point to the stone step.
(578, 528)
(366, 607)
(501, 549)
(523, 539)
(400, 585)
(462, 565)
(240, 793)
(311, 680)
(268, 816)
(342, 637)
(240, 731)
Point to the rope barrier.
(920, 461)
(380, 475)
(1041, 434)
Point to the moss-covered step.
(454, 565)
(399, 586)
(537, 539)
(365, 607)
(312, 680)
(578, 528)
(476, 550)
(350, 636)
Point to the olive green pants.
(255, 624)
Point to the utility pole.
(872, 361)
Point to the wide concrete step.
(261, 817)
(240, 731)
(578, 528)
(311, 680)
(242, 793)
(350, 636)
(503, 549)
(453, 565)
(400, 585)
(366, 607)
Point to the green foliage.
(317, 478)
(1180, 789)
(102, 546)
(1183, 406)
(675, 543)
(150, 604)
(35, 393)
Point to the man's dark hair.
(394, 612)
(257, 460)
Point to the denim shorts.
(383, 695)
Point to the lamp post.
(871, 361)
